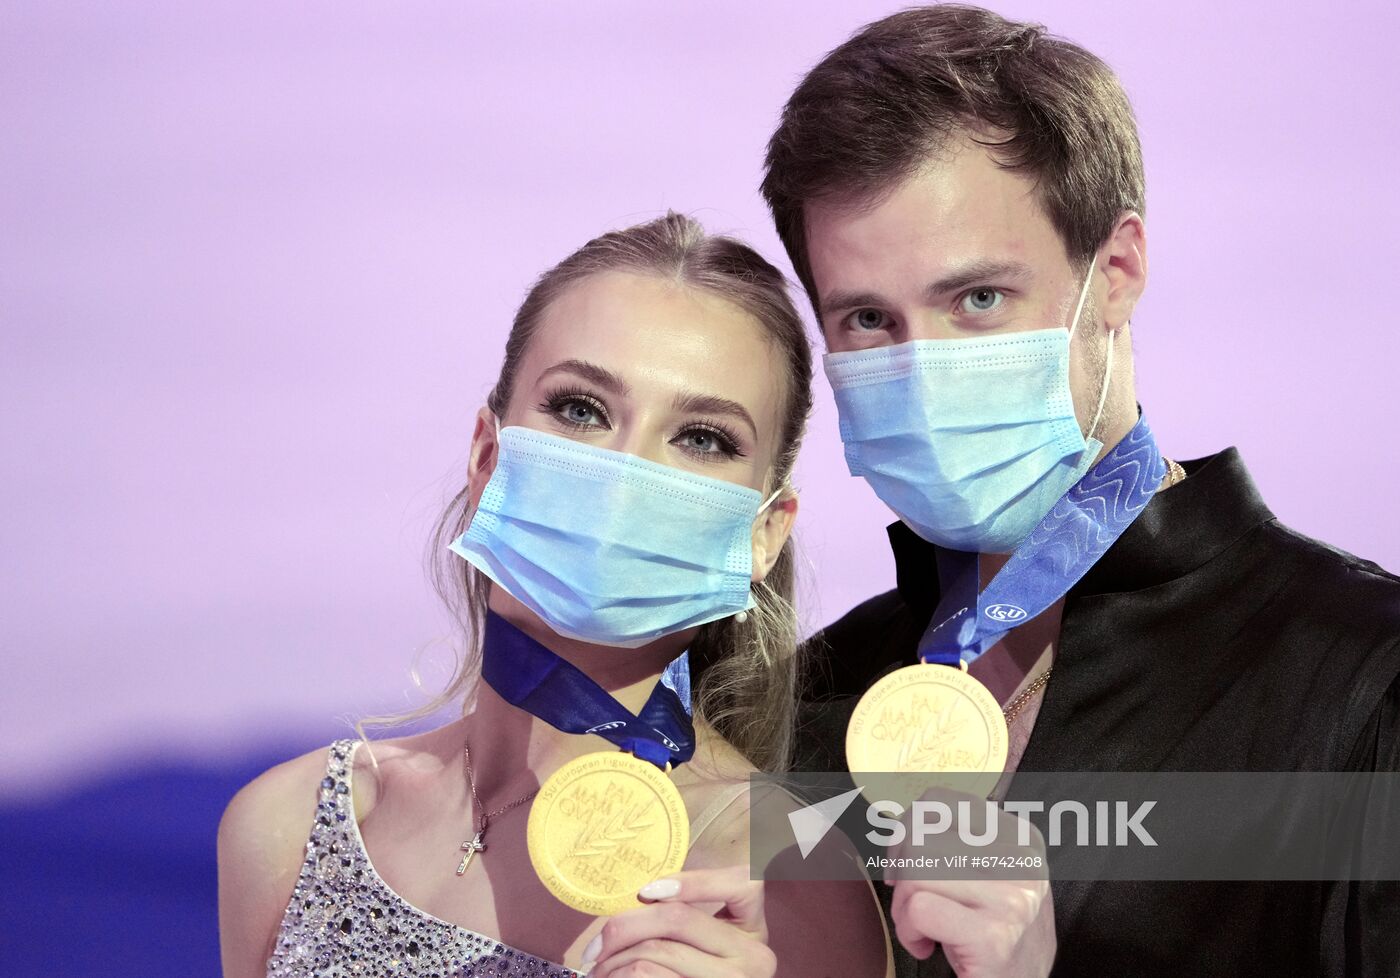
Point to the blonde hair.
(744, 673)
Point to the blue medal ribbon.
(1066, 542)
(542, 683)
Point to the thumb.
(740, 898)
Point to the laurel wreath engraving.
(924, 745)
(607, 834)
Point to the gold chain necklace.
(1013, 708)
(478, 842)
(1175, 473)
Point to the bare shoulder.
(808, 897)
(714, 785)
(720, 788)
(262, 840)
(825, 892)
(261, 845)
(269, 820)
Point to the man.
(948, 175)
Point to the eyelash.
(554, 402)
(850, 320)
(728, 441)
(1003, 295)
(957, 305)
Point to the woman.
(626, 519)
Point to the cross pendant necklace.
(478, 842)
(472, 848)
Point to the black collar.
(1180, 530)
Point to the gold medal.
(930, 720)
(602, 826)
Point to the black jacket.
(1209, 637)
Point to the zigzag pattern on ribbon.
(1086, 520)
(1067, 541)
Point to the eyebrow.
(601, 376)
(843, 299)
(978, 272)
(973, 273)
(693, 403)
(711, 404)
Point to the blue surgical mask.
(607, 547)
(969, 441)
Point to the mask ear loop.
(742, 616)
(767, 502)
(1108, 366)
(1103, 389)
(496, 420)
(1083, 294)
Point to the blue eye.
(868, 320)
(576, 409)
(580, 412)
(704, 440)
(982, 300)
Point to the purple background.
(257, 260)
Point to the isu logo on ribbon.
(1004, 612)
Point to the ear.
(771, 532)
(482, 461)
(1123, 260)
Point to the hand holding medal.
(933, 718)
(602, 827)
(607, 823)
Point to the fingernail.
(660, 889)
(594, 946)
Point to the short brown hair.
(878, 106)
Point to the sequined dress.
(343, 919)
